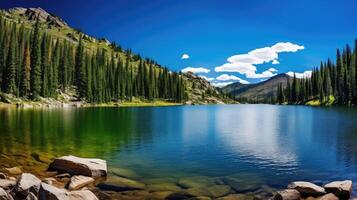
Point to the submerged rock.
(120, 184)
(236, 197)
(288, 194)
(78, 182)
(211, 191)
(14, 170)
(163, 187)
(307, 189)
(179, 196)
(79, 166)
(28, 183)
(49, 192)
(341, 189)
(4, 195)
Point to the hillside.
(41, 56)
(259, 92)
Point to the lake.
(254, 145)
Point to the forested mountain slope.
(41, 56)
(263, 92)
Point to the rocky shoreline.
(75, 178)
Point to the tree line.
(35, 63)
(333, 81)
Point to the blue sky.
(212, 31)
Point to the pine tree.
(9, 82)
(25, 77)
(35, 78)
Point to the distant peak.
(32, 14)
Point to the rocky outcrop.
(78, 182)
(79, 166)
(341, 189)
(307, 189)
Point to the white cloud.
(275, 62)
(185, 56)
(195, 70)
(272, 70)
(245, 63)
(221, 84)
(226, 77)
(206, 78)
(305, 74)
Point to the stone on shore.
(14, 170)
(4, 195)
(288, 194)
(82, 195)
(307, 189)
(341, 189)
(79, 166)
(49, 192)
(28, 183)
(119, 184)
(31, 196)
(79, 181)
(2, 176)
(329, 196)
(7, 184)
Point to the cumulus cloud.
(221, 84)
(275, 62)
(272, 70)
(206, 78)
(246, 63)
(195, 70)
(185, 56)
(226, 77)
(305, 74)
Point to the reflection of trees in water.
(83, 132)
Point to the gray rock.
(28, 183)
(7, 184)
(79, 181)
(341, 189)
(79, 166)
(4, 195)
(82, 195)
(49, 192)
(288, 194)
(307, 189)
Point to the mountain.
(259, 92)
(41, 56)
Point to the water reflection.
(271, 144)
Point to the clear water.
(258, 144)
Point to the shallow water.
(256, 145)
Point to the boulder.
(120, 184)
(82, 195)
(79, 166)
(49, 192)
(7, 184)
(79, 181)
(329, 196)
(307, 189)
(288, 194)
(28, 183)
(4, 195)
(341, 189)
(14, 170)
